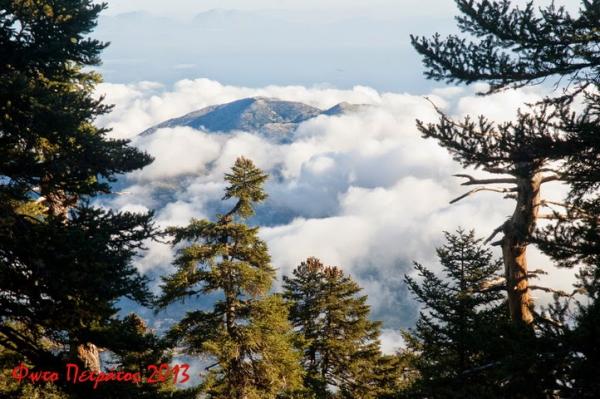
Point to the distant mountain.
(268, 116)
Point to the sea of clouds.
(363, 191)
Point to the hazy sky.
(340, 43)
(186, 7)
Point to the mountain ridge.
(268, 116)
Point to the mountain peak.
(268, 116)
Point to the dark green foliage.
(66, 278)
(511, 47)
(464, 344)
(48, 141)
(514, 148)
(514, 46)
(508, 45)
(246, 185)
(461, 316)
(586, 349)
(64, 264)
(138, 347)
(246, 334)
(526, 149)
(340, 343)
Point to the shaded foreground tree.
(246, 333)
(64, 264)
(341, 350)
(512, 47)
(456, 333)
(509, 46)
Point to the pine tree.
(63, 263)
(522, 149)
(514, 47)
(247, 332)
(461, 314)
(508, 46)
(340, 344)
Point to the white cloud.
(141, 105)
(362, 191)
(177, 151)
(391, 341)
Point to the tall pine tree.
(247, 333)
(341, 345)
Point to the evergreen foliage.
(510, 45)
(341, 357)
(523, 149)
(64, 264)
(246, 333)
(461, 314)
(514, 46)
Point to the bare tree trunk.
(517, 233)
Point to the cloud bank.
(362, 191)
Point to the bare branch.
(497, 231)
(211, 366)
(480, 368)
(560, 293)
(548, 178)
(550, 321)
(538, 271)
(478, 189)
(496, 284)
(578, 212)
(550, 170)
(472, 181)
(549, 202)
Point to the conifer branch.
(560, 293)
(497, 231)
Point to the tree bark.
(517, 232)
(87, 355)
